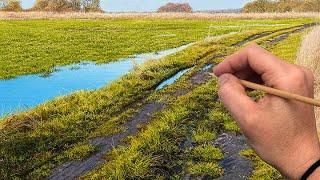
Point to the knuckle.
(223, 90)
(252, 47)
(297, 75)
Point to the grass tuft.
(205, 169)
(207, 153)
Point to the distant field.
(128, 129)
(198, 15)
(37, 46)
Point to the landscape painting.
(121, 89)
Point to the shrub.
(91, 5)
(260, 6)
(176, 7)
(10, 5)
(67, 5)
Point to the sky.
(152, 5)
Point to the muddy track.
(286, 35)
(252, 38)
(277, 39)
(234, 164)
(74, 169)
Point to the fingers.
(251, 60)
(234, 97)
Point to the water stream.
(172, 79)
(28, 91)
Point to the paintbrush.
(279, 93)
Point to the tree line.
(54, 5)
(261, 6)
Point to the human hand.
(282, 132)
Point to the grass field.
(128, 130)
(37, 46)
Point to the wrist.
(298, 173)
(315, 175)
(301, 161)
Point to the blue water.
(207, 67)
(28, 91)
(172, 79)
(178, 75)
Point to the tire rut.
(74, 169)
(235, 166)
(286, 35)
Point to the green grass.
(159, 144)
(37, 46)
(206, 169)
(287, 49)
(262, 169)
(207, 153)
(32, 143)
(52, 128)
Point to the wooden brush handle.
(280, 93)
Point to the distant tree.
(67, 5)
(10, 5)
(2, 4)
(311, 6)
(40, 5)
(260, 6)
(282, 6)
(91, 6)
(176, 7)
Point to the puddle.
(207, 67)
(172, 79)
(28, 91)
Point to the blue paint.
(172, 79)
(207, 67)
(28, 91)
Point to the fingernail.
(223, 79)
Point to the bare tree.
(283, 6)
(10, 5)
(91, 5)
(67, 5)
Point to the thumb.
(233, 96)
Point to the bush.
(91, 6)
(67, 5)
(260, 6)
(176, 7)
(10, 5)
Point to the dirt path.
(74, 169)
(236, 166)
(286, 35)
(251, 38)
